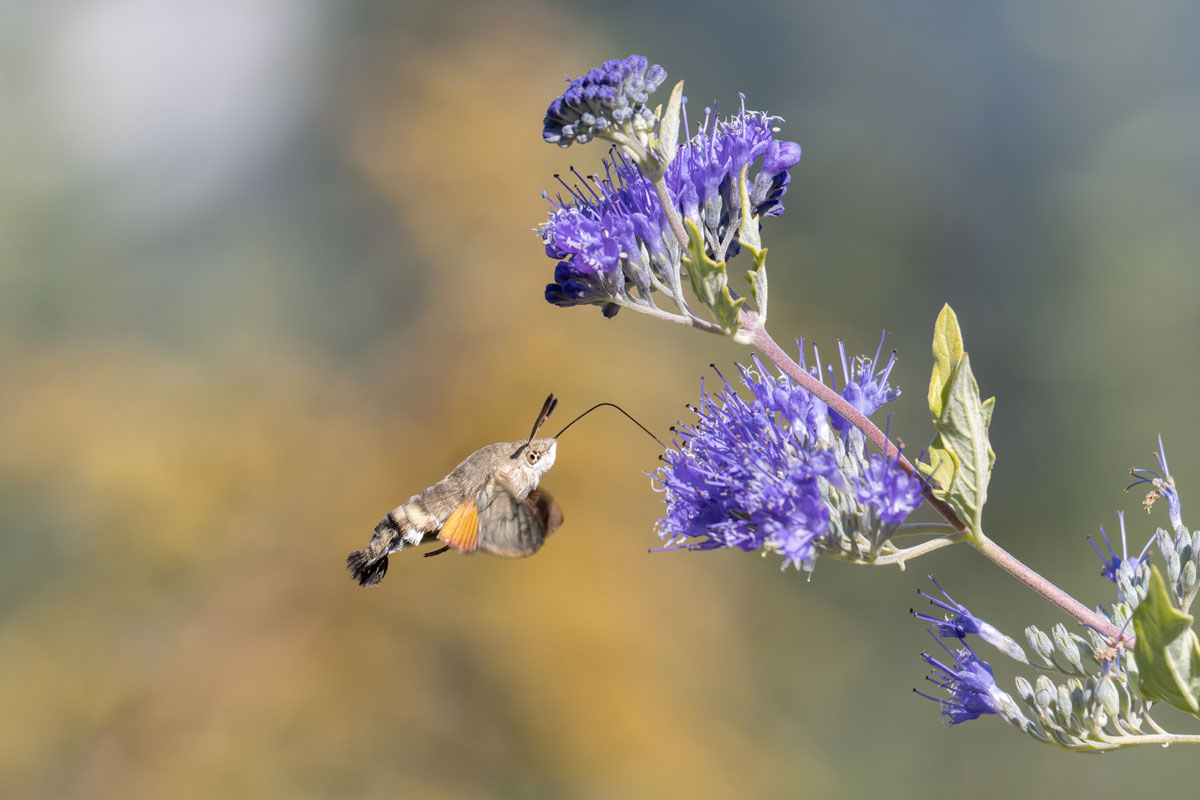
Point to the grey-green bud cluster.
(1098, 703)
(1064, 651)
(1096, 713)
(1182, 554)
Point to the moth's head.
(537, 456)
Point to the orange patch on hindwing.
(461, 529)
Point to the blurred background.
(267, 269)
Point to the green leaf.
(1166, 651)
(710, 282)
(960, 457)
(751, 241)
(947, 353)
(668, 128)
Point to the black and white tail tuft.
(366, 567)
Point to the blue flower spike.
(770, 473)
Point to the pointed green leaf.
(1166, 651)
(668, 128)
(709, 281)
(960, 457)
(947, 352)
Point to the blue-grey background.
(266, 270)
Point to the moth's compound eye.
(532, 456)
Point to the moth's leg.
(437, 552)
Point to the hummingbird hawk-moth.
(490, 503)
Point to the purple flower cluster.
(607, 98)
(704, 180)
(610, 236)
(763, 472)
(968, 678)
(609, 239)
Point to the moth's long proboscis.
(618, 408)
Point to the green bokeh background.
(266, 270)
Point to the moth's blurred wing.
(461, 529)
(546, 509)
(513, 528)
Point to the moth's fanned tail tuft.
(366, 568)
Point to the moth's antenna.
(547, 409)
(618, 408)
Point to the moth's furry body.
(490, 482)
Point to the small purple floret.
(888, 488)
(1112, 562)
(969, 681)
(866, 384)
(1162, 485)
(962, 621)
